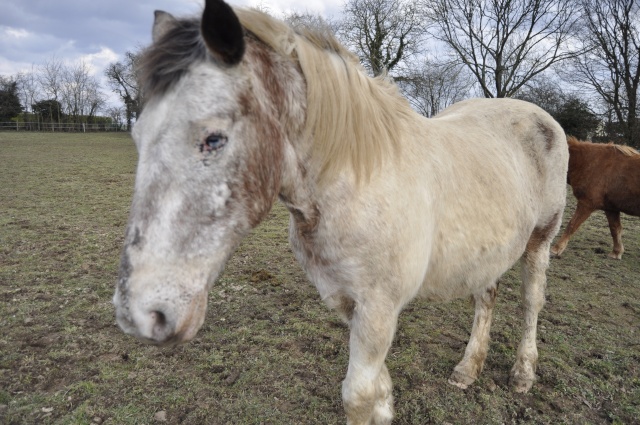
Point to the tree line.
(53, 92)
(578, 59)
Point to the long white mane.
(355, 120)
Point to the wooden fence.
(62, 127)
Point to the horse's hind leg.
(466, 372)
(535, 262)
(366, 390)
(583, 211)
(616, 232)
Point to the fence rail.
(63, 127)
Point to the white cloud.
(14, 32)
(325, 8)
(33, 32)
(98, 61)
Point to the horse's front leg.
(366, 390)
(467, 371)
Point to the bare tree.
(612, 65)
(432, 86)
(123, 81)
(50, 79)
(505, 43)
(28, 88)
(569, 108)
(304, 20)
(382, 32)
(117, 115)
(80, 94)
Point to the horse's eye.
(213, 142)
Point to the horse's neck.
(298, 187)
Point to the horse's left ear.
(222, 32)
(162, 23)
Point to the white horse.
(385, 205)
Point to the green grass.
(270, 352)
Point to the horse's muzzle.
(160, 322)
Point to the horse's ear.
(222, 32)
(162, 23)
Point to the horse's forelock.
(164, 62)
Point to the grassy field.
(270, 352)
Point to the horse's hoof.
(521, 386)
(461, 380)
(615, 256)
(555, 253)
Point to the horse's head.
(211, 146)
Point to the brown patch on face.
(263, 168)
(262, 59)
(189, 325)
(244, 100)
(262, 104)
(549, 135)
(544, 234)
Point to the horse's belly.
(464, 263)
(462, 279)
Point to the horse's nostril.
(159, 318)
(161, 329)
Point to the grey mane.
(164, 62)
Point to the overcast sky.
(100, 31)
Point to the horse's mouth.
(174, 340)
(162, 337)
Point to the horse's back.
(604, 177)
(523, 140)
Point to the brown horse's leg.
(616, 232)
(466, 372)
(583, 211)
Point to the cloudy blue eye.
(213, 142)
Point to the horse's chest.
(323, 259)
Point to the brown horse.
(602, 177)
